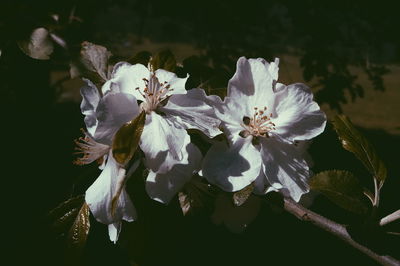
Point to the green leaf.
(240, 197)
(140, 58)
(196, 194)
(342, 188)
(72, 219)
(127, 139)
(353, 141)
(80, 229)
(92, 64)
(164, 60)
(38, 45)
(64, 214)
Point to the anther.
(246, 120)
(244, 133)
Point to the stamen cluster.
(89, 149)
(259, 125)
(154, 93)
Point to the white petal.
(263, 75)
(113, 231)
(273, 69)
(177, 84)
(231, 114)
(107, 87)
(262, 185)
(196, 111)
(163, 187)
(298, 116)
(162, 137)
(235, 218)
(232, 168)
(128, 77)
(241, 85)
(285, 165)
(99, 196)
(90, 100)
(113, 111)
(250, 87)
(253, 82)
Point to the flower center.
(154, 93)
(90, 150)
(259, 125)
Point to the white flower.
(103, 117)
(263, 120)
(170, 110)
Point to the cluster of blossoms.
(266, 125)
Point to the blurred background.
(348, 52)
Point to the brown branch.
(335, 229)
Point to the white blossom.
(104, 115)
(170, 110)
(264, 121)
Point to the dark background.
(327, 38)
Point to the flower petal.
(177, 84)
(113, 231)
(90, 100)
(284, 164)
(128, 77)
(232, 168)
(253, 82)
(113, 111)
(298, 116)
(231, 114)
(241, 84)
(262, 186)
(195, 109)
(252, 86)
(264, 76)
(162, 140)
(100, 194)
(163, 187)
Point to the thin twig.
(390, 218)
(336, 229)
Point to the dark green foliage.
(341, 187)
(356, 143)
(164, 60)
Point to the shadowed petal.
(241, 85)
(285, 165)
(161, 142)
(114, 110)
(90, 100)
(195, 110)
(163, 187)
(232, 168)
